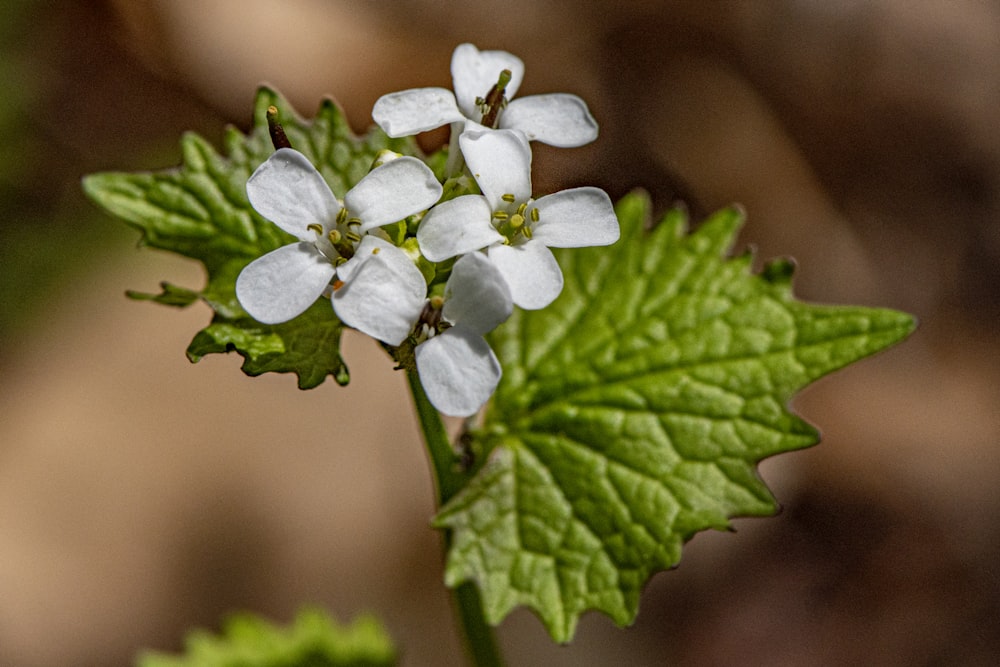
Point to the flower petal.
(287, 190)
(475, 72)
(576, 218)
(283, 283)
(557, 119)
(500, 161)
(456, 227)
(531, 272)
(388, 193)
(416, 110)
(383, 291)
(476, 295)
(458, 370)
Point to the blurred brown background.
(141, 495)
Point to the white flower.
(558, 119)
(383, 291)
(457, 368)
(287, 190)
(384, 295)
(516, 230)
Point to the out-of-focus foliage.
(312, 640)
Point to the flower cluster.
(431, 294)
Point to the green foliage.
(200, 210)
(313, 640)
(633, 412)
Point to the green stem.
(456, 161)
(479, 639)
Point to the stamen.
(500, 215)
(509, 198)
(353, 237)
(342, 243)
(341, 216)
(315, 228)
(534, 215)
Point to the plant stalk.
(480, 641)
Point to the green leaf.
(313, 640)
(309, 343)
(200, 210)
(633, 412)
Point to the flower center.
(431, 321)
(494, 102)
(515, 220)
(339, 243)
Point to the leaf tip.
(779, 271)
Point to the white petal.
(500, 161)
(283, 283)
(287, 190)
(575, 219)
(417, 110)
(557, 119)
(383, 291)
(531, 272)
(475, 72)
(456, 227)
(458, 370)
(476, 295)
(391, 192)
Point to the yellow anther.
(534, 215)
(341, 216)
(509, 198)
(521, 209)
(353, 237)
(376, 251)
(315, 228)
(354, 222)
(500, 215)
(527, 232)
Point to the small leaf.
(172, 295)
(313, 640)
(200, 210)
(633, 412)
(309, 343)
